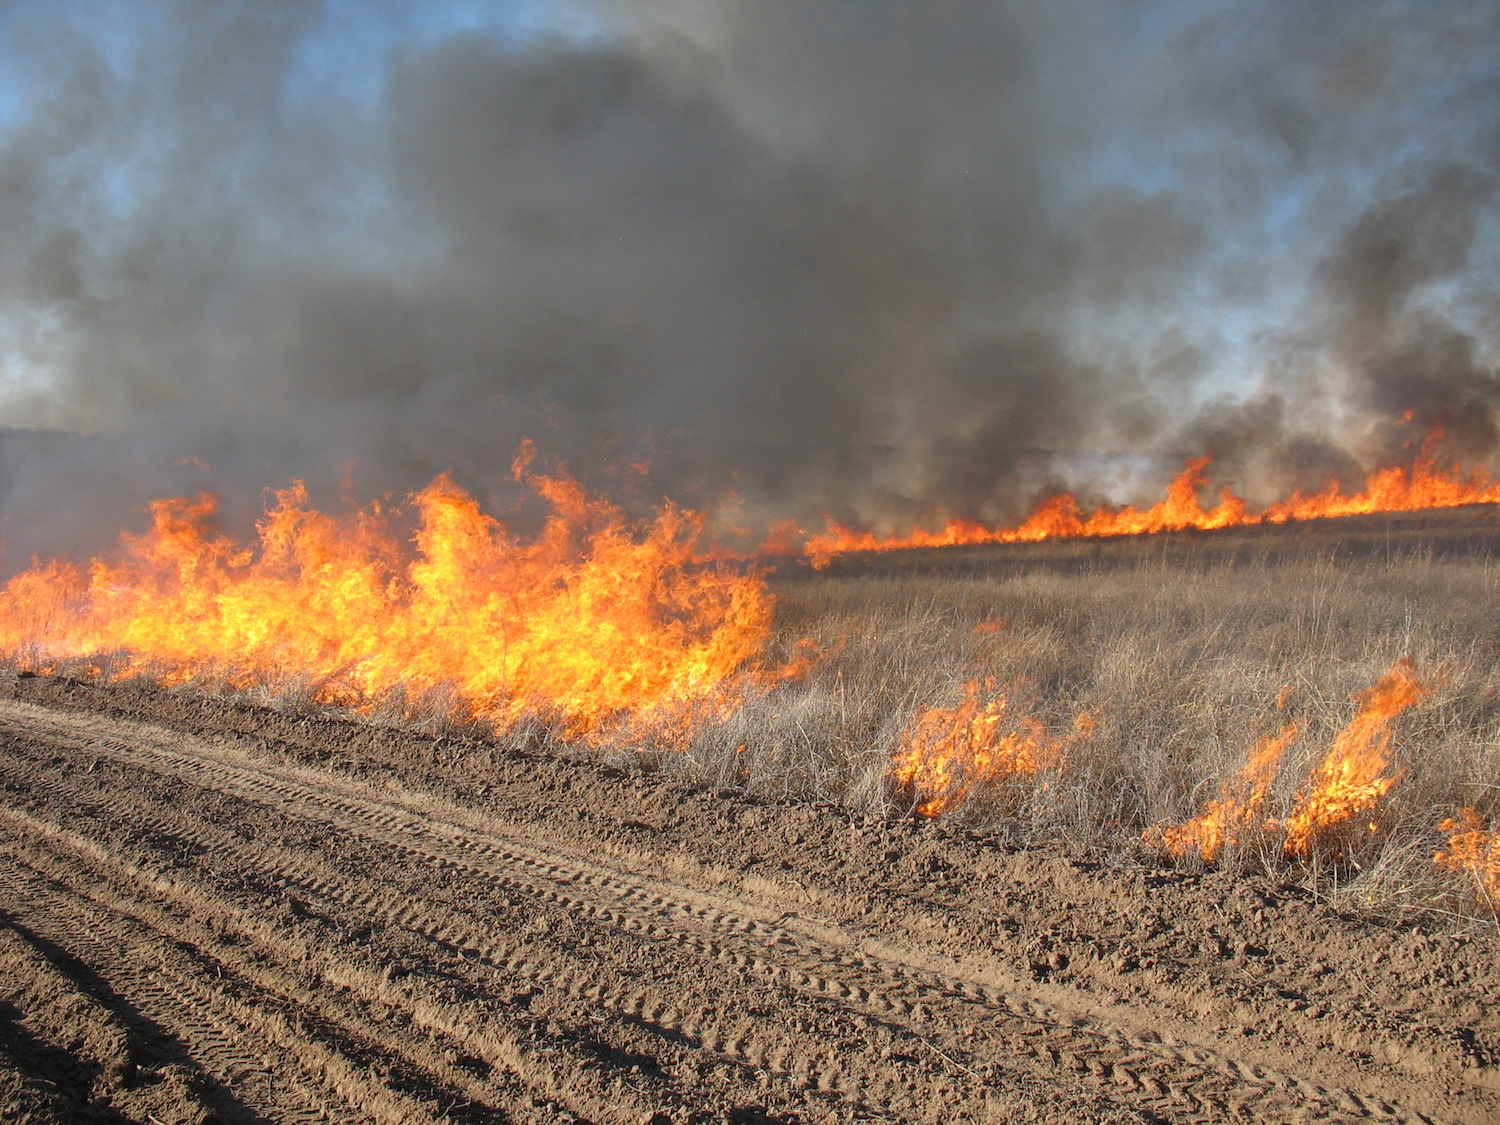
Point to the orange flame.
(1352, 779)
(1394, 489)
(1354, 776)
(948, 750)
(598, 626)
(1235, 813)
(1473, 849)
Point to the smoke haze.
(866, 257)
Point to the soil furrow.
(701, 1011)
(329, 995)
(150, 976)
(968, 1030)
(926, 1004)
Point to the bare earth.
(212, 912)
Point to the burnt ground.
(213, 912)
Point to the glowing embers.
(1474, 851)
(947, 751)
(1421, 486)
(598, 626)
(1350, 782)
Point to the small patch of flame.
(1472, 849)
(1352, 779)
(1355, 774)
(1236, 812)
(949, 750)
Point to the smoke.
(853, 257)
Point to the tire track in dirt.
(808, 1063)
(157, 982)
(272, 1006)
(390, 819)
(77, 1051)
(371, 903)
(940, 1006)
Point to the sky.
(868, 258)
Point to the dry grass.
(1186, 651)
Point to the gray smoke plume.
(866, 257)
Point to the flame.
(948, 750)
(1354, 776)
(1393, 489)
(1472, 848)
(1352, 779)
(1236, 812)
(597, 626)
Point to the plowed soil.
(217, 912)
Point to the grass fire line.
(1424, 485)
(597, 627)
(625, 635)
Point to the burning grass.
(948, 751)
(1316, 700)
(1236, 815)
(598, 627)
(1473, 850)
(1423, 485)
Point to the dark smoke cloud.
(861, 257)
(1400, 355)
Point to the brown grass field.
(1184, 650)
(250, 908)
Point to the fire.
(1472, 849)
(949, 750)
(1236, 813)
(1352, 780)
(1422, 486)
(1355, 775)
(597, 626)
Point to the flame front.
(949, 750)
(1473, 850)
(1421, 486)
(1231, 817)
(1355, 774)
(597, 626)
